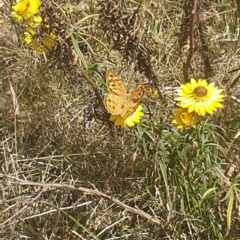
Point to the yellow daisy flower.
(28, 37)
(184, 119)
(200, 97)
(35, 22)
(130, 121)
(25, 9)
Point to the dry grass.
(68, 173)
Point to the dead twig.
(89, 191)
(93, 84)
(186, 65)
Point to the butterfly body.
(118, 101)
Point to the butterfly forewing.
(114, 84)
(137, 94)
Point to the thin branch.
(92, 83)
(89, 191)
(191, 40)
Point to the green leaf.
(229, 209)
(210, 190)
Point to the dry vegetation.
(68, 173)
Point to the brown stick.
(92, 83)
(191, 40)
(89, 191)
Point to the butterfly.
(118, 101)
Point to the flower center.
(200, 91)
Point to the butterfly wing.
(114, 84)
(128, 108)
(131, 104)
(137, 94)
(114, 103)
